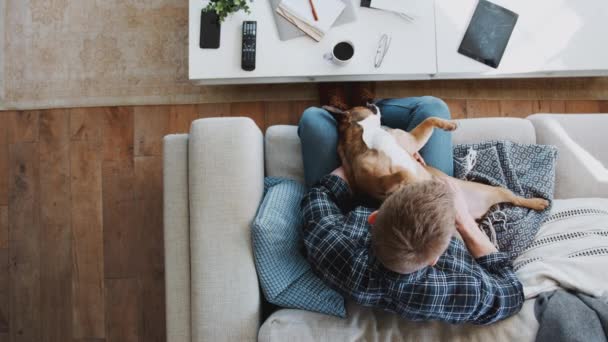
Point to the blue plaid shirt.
(457, 289)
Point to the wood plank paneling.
(603, 105)
(120, 226)
(24, 236)
(517, 108)
(3, 226)
(181, 117)
(278, 113)
(212, 110)
(87, 123)
(4, 123)
(148, 190)
(118, 134)
(458, 108)
(23, 126)
(582, 106)
(4, 294)
(298, 107)
(483, 108)
(123, 305)
(88, 243)
(551, 106)
(149, 197)
(508, 89)
(150, 126)
(253, 110)
(55, 227)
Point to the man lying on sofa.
(469, 281)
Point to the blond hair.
(414, 226)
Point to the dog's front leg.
(422, 133)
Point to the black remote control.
(248, 50)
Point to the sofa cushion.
(284, 154)
(364, 324)
(285, 275)
(582, 167)
(225, 186)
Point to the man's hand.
(474, 238)
(340, 173)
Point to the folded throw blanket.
(570, 250)
(568, 316)
(527, 170)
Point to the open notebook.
(299, 13)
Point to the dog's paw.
(449, 125)
(538, 203)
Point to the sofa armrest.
(177, 237)
(226, 182)
(579, 173)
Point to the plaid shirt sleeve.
(333, 239)
(459, 289)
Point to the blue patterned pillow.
(285, 275)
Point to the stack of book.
(300, 13)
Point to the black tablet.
(488, 33)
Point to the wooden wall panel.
(55, 227)
(150, 126)
(254, 110)
(88, 309)
(483, 108)
(24, 236)
(517, 108)
(123, 305)
(23, 126)
(4, 123)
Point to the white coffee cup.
(342, 52)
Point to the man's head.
(413, 227)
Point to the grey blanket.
(566, 316)
(527, 170)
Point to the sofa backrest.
(283, 154)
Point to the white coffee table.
(551, 38)
(411, 55)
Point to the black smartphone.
(210, 30)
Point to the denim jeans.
(319, 136)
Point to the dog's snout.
(373, 108)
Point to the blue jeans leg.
(407, 113)
(319, 137)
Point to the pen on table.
(314, 11)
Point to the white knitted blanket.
(570, 250)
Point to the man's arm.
(501, 293)
(458, 290)
(330, 236)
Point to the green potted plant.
(223, 8)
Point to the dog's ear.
(334, 110)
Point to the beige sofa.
(213, 184)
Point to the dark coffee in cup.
(343, 51)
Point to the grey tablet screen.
(488, 33)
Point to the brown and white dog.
(378, 160)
